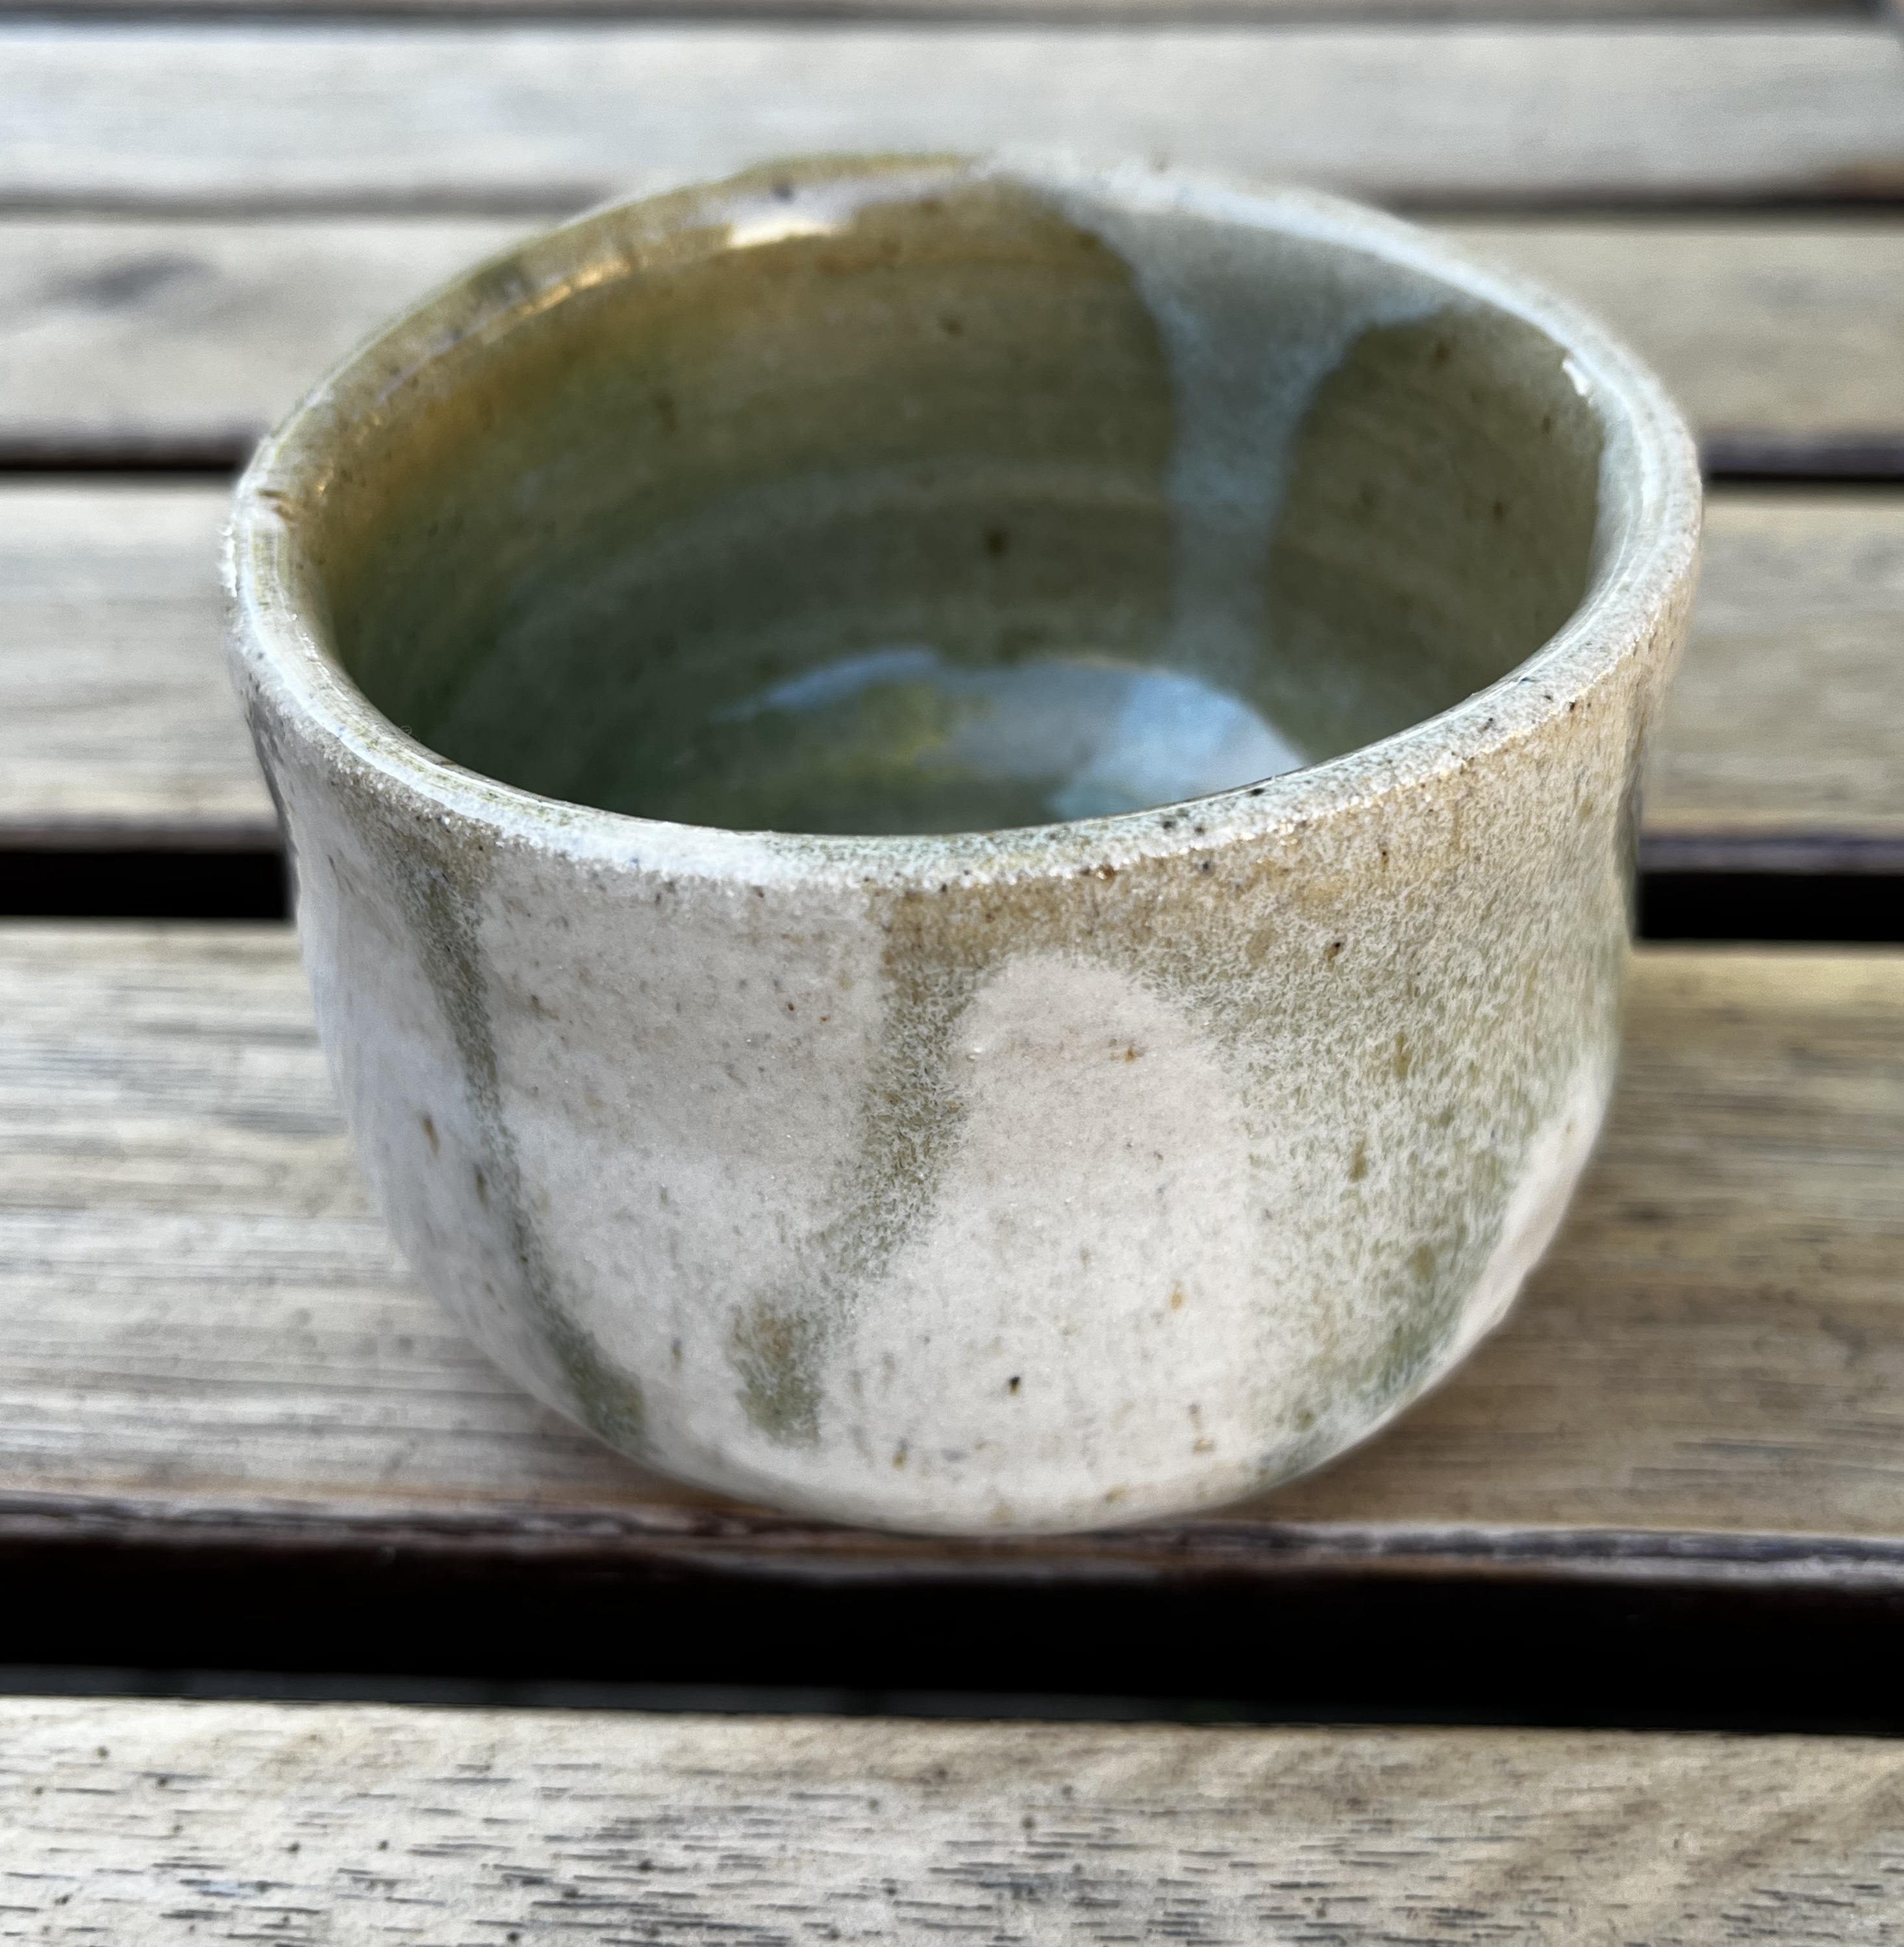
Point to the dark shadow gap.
(218, 456)
(1730, 459)
(143, 885)
(1847, 907)
(1746, 459)
(126, 1621)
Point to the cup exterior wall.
(1089, 1183)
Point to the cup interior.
(912, 498)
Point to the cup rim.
(1650, 497)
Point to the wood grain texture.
(159, 1822)
(206, 1335)
(1782, 747)
(476, 118)
(118, 725)
(144, 340)
(1781, 338)
(1782, 743)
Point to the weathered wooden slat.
(1780, 749)
(1782, 745)
(118, 725)
(154, 340)
(1069, 13)
(473, 117)
(1783, 338)
(161, 1822)
(206, 1335)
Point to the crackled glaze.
(1037, 1179)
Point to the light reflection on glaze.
(1089, 736)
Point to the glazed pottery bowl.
(964, 831)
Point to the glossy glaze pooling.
(1034, 1178)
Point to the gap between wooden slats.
(451, 117)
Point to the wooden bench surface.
(206, 1340)
(208, 1334)
(159, 1823)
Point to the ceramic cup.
(964, 831)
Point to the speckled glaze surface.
(1037, 1179)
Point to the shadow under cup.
(928, 501)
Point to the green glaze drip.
(941, 948)
(439, 872)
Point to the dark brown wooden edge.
(739, 1541)
(248, 835)
(1841, 459)
(1849, 854)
